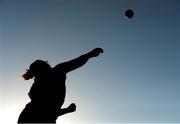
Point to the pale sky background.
(137, 79)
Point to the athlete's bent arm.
(69, 109)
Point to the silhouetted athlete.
(48, 91)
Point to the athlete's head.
(37, 68)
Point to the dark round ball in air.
(129, 13)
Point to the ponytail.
(28, 75)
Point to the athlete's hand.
(72, 107)
(95, 52)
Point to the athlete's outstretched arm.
(80, 61)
